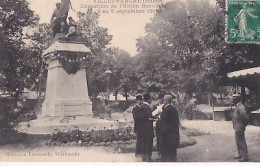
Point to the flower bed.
(92, 138)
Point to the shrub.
(99, 137)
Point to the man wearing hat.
(146, 128)
(170, 137)
(137, 123)
(240, 121)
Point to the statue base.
(66, 94)
(48, 125)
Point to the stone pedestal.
(66, 94)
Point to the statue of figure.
(59, 17)
(241, 18)
(72, 27)
(63, 27)
(64, 9)
(55, 21)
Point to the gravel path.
(218, 146)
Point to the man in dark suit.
(240, 121)
(146, 128)
(170, 137)
(158, 125)
(137, 124)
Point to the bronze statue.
(59, 17)
(72, 28)
(64, 9)
(55, 21)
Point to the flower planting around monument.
(104, 137)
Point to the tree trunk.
(243, 94)
(208, 98)
(126, 97)
(116, 93)
(16, 97)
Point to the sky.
(125, 28)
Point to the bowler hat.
(147, 96)
(138, 97)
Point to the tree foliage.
(184, 49)
(97, 39)
(18, 62)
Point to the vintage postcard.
(129, 81)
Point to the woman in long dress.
(244, 31)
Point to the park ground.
(217, 145)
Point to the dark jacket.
(136, 111)
(170, 127)
(240, 119)
(145, 125)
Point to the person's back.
(136, 114)
(240, 118)
(240, 121)
(147, 129)
(146, 124)
(170, 118)
(170, 136)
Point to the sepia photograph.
(130, 81)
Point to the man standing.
(170, 137)
(240, 121)
(158, 125)
(146, 128)
(137, 124)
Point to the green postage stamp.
(243, 21)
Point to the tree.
(171, 45)
(184, 49)
(18, 66)
(97, 39)
(120, 63)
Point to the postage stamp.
(243, 21)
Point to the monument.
(66, 104)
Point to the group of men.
(167, 123)
(167, 128)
